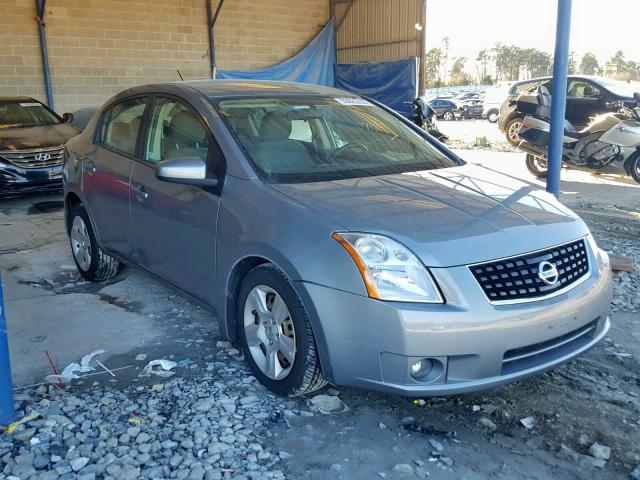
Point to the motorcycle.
(425, 117)
(610, 137)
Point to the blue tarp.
(393, 84)
(315, 63)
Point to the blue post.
(559, 95)
(7, 412)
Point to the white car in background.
(493, 99)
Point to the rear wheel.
(92, 263)
(448, 116)
(634, 166)
(538, 166)
(492, 116)
(276, 334)
(512, 131)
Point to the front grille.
(35, 157)
(516, 279)
(531, 356)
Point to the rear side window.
(121, 124)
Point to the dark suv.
(586, 97)
(32, 138)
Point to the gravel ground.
(212, 420)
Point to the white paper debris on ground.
(141, 357)
(528, 422)
(329, 404)
(71, 371)
(161, 368)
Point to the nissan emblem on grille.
(548, 273)
(42, 157)
(534, 275)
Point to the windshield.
(617, 87)
(25, 114)
(309, 139)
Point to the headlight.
(389, 270)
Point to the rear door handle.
(141, 193)
(90, 167)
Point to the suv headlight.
(390, 271)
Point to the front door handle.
(90, 167)
(141, 193)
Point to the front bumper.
(371, 344)
(15, 180)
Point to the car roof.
(233, 88)
(218, 89)
(18, 99)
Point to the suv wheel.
(93, 264)
(492, 116)
(276, 334)
(512, 130)
(448, 116)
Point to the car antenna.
(180, 75)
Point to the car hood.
(36, 137)
(448, 217)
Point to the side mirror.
(185, 170)
(67, 117)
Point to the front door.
(584, 100)
(107, 173)
(174, 225)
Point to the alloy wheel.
(448, 116)
(493, 117)
(81, 243)
(269, 332)
(513, 132)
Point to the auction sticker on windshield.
(352, 101)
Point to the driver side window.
(582, 89)
(175, 131)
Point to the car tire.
(93, 264)
(634, 166)
(448, 116)
(537, 166)
(492, 116)
(265, 335)
(511, 131)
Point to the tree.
(458, 76)
(589, 64)
(572, 67)
(432, 63)
(616, 67)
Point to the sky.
(598, 26)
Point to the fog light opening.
(421, 368)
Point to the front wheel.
(93, 264)
(447, 116)
(537, 166)
(276, 334)
(492, 116)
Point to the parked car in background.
(469, 96)
(334, 240)
(472, 108)
(493, 98)
(32, 138)
(587, 97)
(447, 109)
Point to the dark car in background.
(32, 138)
(586, 97)
(446, 109)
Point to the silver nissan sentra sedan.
(333, 239)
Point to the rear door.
(107, 173)
(174, 225)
